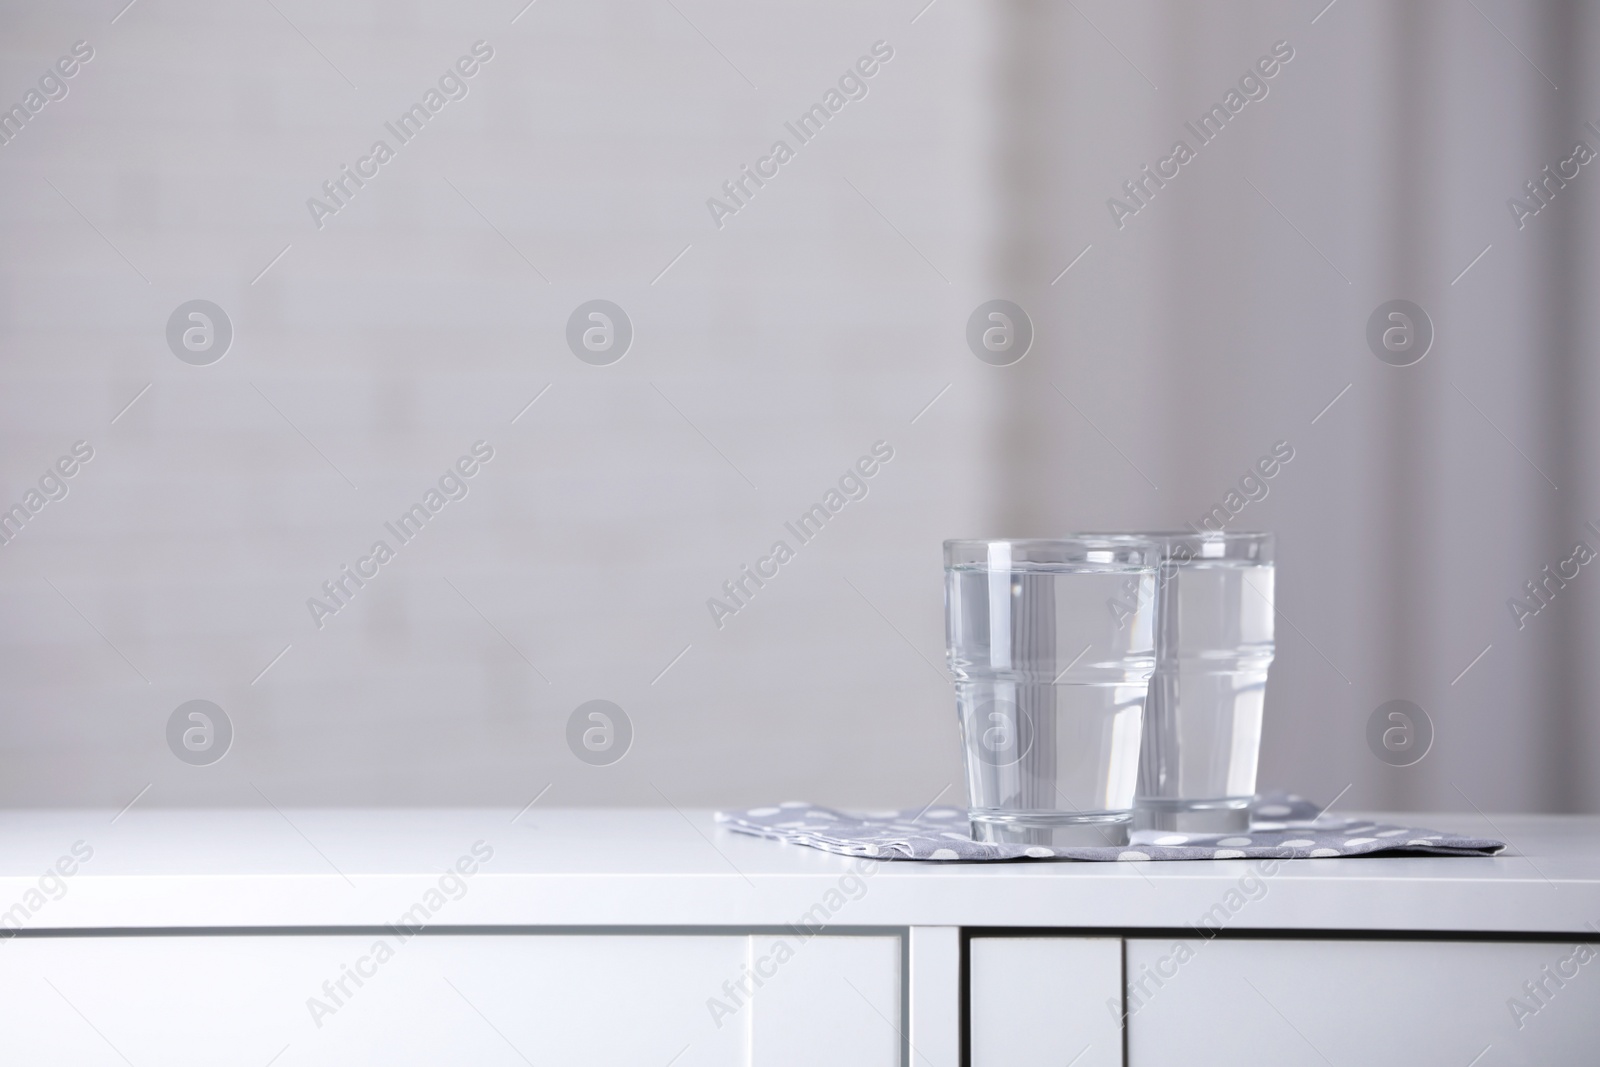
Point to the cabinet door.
(425, 1000)
(833, 1002)
(1046, 1001)
(1376, 1003)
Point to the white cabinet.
(1282, 1003)
(1046, 1001)
(834, 1002)
(500, 998)
(732, 1000)
(634, 938)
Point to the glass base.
(1049, 829)
(1219, 816)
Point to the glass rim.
(1074, 548)
(1164, 535)
(1183, 546)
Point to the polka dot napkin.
(1281, 825)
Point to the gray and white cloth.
(1283, 826)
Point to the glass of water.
(1052, 645)
(1202, 726)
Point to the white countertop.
(633, 868)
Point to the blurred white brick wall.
(407, 328)
(821, 318)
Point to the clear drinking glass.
(1202, 725)
(1052, 645)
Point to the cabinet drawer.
(448, 998)
(1380, 1003)
(1045, 1001)
(836, 1002)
